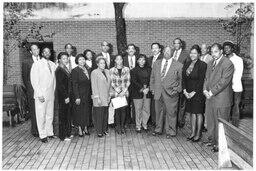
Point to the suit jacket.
(43, 81)
(171, 83)
(100, 87)
(184, 56)
(26, 68)
(195, 80)
(126, 62)
(112, 61)
(63, 84)
(81, 84)
(150, 59)
(219, 81)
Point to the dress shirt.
(107, 57)
(168, 65)
(133, 61)
(178, 54)
(73, 63)
(238, 66)
(89, 63)
(35, 58)
(154, 59)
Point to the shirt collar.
(218, 60)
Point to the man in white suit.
(43, 81)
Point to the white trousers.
(44, 117)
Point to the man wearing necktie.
(71, 64)
(165, 84)
(26, 68)
(130, 61)
(218, 93)
(180, 55)
(105, 53)
(43, 82)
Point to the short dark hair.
(131, 44)
(197, 48)
(142, 56)
(79, 56)
(88, 50)
(228, 43)
(68, 44)
(155, 43)
(61, 54)
(97, 60)
(217, 45)
(33, 45)
(177, 38)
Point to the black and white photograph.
(127, 85)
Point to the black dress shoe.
(122, 131)
(51, 137)
(168, 136)
(44, 140)
(181, 125)
(35, 135)
(190, 138)
(138, 130)
(156, 133)
(215, 149)
(105, 133)
(196, 140)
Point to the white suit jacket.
(43, 81)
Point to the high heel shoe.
(81, 135)
(86, 133)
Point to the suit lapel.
(172, 67)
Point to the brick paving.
(130, 151)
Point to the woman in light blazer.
(100, 80)
(120, 81)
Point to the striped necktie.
(164, 69)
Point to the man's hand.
(99, 102)
(206, 93)
(67, 100)
(78, 101)
(41, 99)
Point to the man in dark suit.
(130, 61)
(26, 67)
(157, 55)
(180, 55)
(105, 53)
(218, 91)
(165, 84)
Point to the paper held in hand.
(119, 102)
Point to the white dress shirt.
(154, 59)
(89, 63)
(35, 59)
(72, 61)
(168, 65)
(107, 57)
(133, 61)
(178, 54)
(238, 72)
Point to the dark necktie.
(49, 66)
(164, 69)
(214, 65)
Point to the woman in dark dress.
(82, 95)
(63, 87)
(192, 82)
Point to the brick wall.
(90, 33)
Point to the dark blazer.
(195, 80)
(81, 84)
(112, 61)
(171, 83)
(150, 59)
(219, 81)
(139, 77)
(126, 62)
(26, 67)
(63, 84)
(184, 56)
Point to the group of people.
(160, 89)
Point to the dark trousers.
(166, 110)
(100, 119)
(181, 109)
(31, 102)
(213, 114)
(152, 118)
(130, 112)
(64, 121)
(120, 117)
(235, 113)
